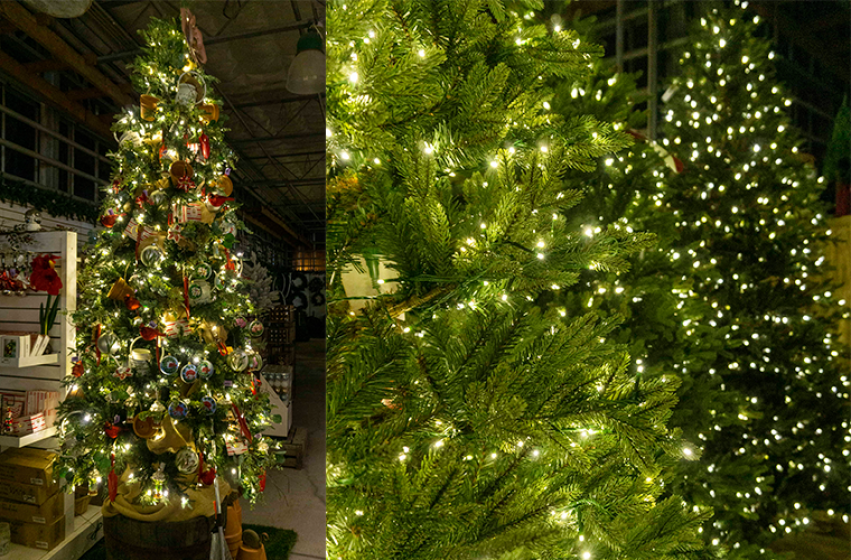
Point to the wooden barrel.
(128, 539)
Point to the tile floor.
(295, 499)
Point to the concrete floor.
(295, 499)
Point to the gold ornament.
(120, 290)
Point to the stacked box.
(30, 500)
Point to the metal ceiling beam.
(263, 139)
(295, 26)
(28, 23)
(291, 154)
(54, 95)
(279, 101)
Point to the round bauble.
(209, 404)
(150, 255)
(186, 461)
(255, 329)
(108, 343)
(169, 365)
(255, 362)
(205, 369)
(177, 410)
(238, 360)
(189, 373)
(203, 271)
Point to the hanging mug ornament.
(205, 369)
(169, 365)
(147, 428)
(189, 373)
(209, 404)
(148, 106)
(186, 460)
(191, 89)
(238, 361)
(255, 328)
(177, 410)
(140, 359)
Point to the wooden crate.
(294, 449)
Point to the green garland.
(50, 202)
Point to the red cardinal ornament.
(78, 369)
(112, 430)
(108, 220)
(132, 303)
(204, 140)
(149, 333)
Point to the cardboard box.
(27, 493)
(45, 514)
(33, 423)
(28, 466)
(37, 535)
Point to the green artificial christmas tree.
(750, 231)
(468, 415)
(163, 400)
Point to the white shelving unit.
(47, 373)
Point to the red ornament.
(116, 186)
(78, 369)
(204, 140)
(218, 201)
(262, 481)
(185, 183)
(208, 477)
(108, 220)
(163, 150)
(132, 303)
(149, 333)
(112, 430)
(678, 164)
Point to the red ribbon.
(112, 482)
(243, 425)
(97, 348)
(186, 294)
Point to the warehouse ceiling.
(279, 137)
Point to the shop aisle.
(295, 499)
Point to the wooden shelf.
(88, 530)
(29, 439)
(30, 361)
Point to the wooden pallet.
(294, 449)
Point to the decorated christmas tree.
(469, 415)
(163, 401)
(731, 298)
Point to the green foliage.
(98, 417)
(53, 203)
(468, 415)
(730, 299)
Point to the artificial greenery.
(142, 299)
(469, 415)
(54, 203)
(730, 298)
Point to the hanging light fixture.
(307, 72)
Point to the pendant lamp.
(307, 72)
